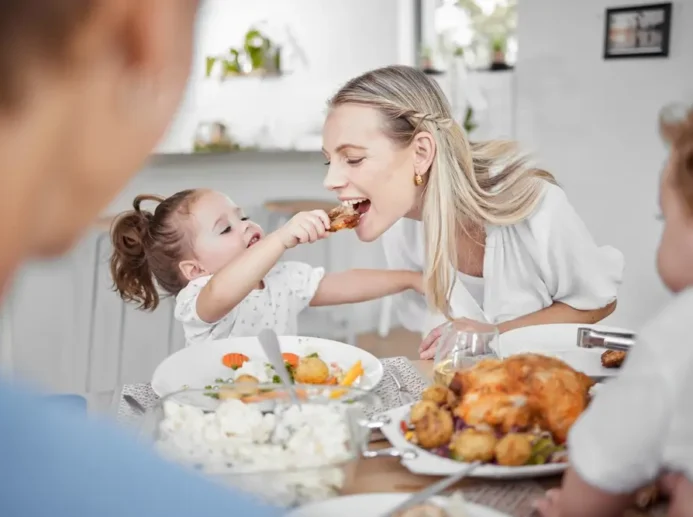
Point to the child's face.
(221, 232)
(675, 254)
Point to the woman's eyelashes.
(350, 161)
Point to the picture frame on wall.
(637, 31)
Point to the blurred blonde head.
(390, 137)
(675, 253)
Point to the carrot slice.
(331, 381)
(291, 359)
(234, 360)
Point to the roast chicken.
(521, 392)
(343, 218)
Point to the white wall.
(339, 39)
(594, 124)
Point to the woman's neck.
(471, 249)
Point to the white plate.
(375, 505)
(427, 463)
(197, 366)
(560, 341)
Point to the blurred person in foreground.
(640, 425)
(87, 88)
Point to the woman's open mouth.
(254, 239)
(361, 205)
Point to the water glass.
(463, 343)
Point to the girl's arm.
(558, 313)
(360, 285)
(231, 284)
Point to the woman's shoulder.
(553, 199)
(553, 213)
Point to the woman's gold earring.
(418, 179)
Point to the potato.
(311, 370)
(472, 445)
(514, 449)
(421, 408)
(434, 429)
(439, 394)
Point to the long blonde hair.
(468, 184)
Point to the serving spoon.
(270, 344)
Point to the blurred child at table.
(225, 272)
(641, 424)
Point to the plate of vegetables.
(309, 360)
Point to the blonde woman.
(497, 239)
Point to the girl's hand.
(305, 227)
(680, 492)
(550, 505)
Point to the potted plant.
(426, 59)
(498, 46)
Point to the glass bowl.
(462, 344)
(288, 455)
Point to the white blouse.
(549, 257)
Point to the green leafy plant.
(498, 44)
(493, 28)
(469, 124)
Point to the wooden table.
(388, 475)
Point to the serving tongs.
(594, 338)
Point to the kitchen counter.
(166, 159)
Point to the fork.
(401, 389)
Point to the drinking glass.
(463, 343)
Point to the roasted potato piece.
(473, 445)
(439, 394)
(311, 370)
(248, 379)
(229, 393)
(421, 408)
(514, 449)
(434, 429)
(613, 358)
(245, 385)
(343, 218)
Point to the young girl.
(640, 425)
(199, 246)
